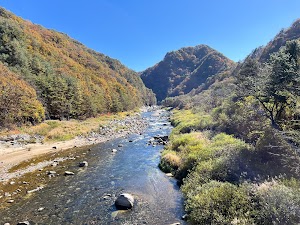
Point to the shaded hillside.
(71, 80)
(183, 70)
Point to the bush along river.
(87, 194)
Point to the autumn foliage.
(18, 100)
(71, 81)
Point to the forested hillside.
(235, 145)
(67, 78)
(183, 70)
(18, 100)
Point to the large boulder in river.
(124, 201)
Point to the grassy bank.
(55, 130)
(226, 180)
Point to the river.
(88, 196)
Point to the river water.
(79, 199)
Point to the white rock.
(68, 173)
(24, 223)
(169, 175)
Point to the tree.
(275, 84)
(282, 87)
(250, 80)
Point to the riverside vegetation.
(235, 145)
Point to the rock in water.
(169, 175)
(83, 164)
(184, 217)
(124, 201)
(69, 173)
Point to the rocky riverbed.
(64, 192)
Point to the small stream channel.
(79, 199)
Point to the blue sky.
(140, 32)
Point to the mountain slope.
(221, 85)
(288, 34)
(71, 80)
(183, 70)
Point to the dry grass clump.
(55, 130)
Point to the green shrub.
(218, 203)
(277, 204)
(186, 121)
(193, 149)
(274, 155)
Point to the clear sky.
(140, 32)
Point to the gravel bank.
(15, 149)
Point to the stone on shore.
(23, 223)
(51, 172)
(124, 201)
(34, 190)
